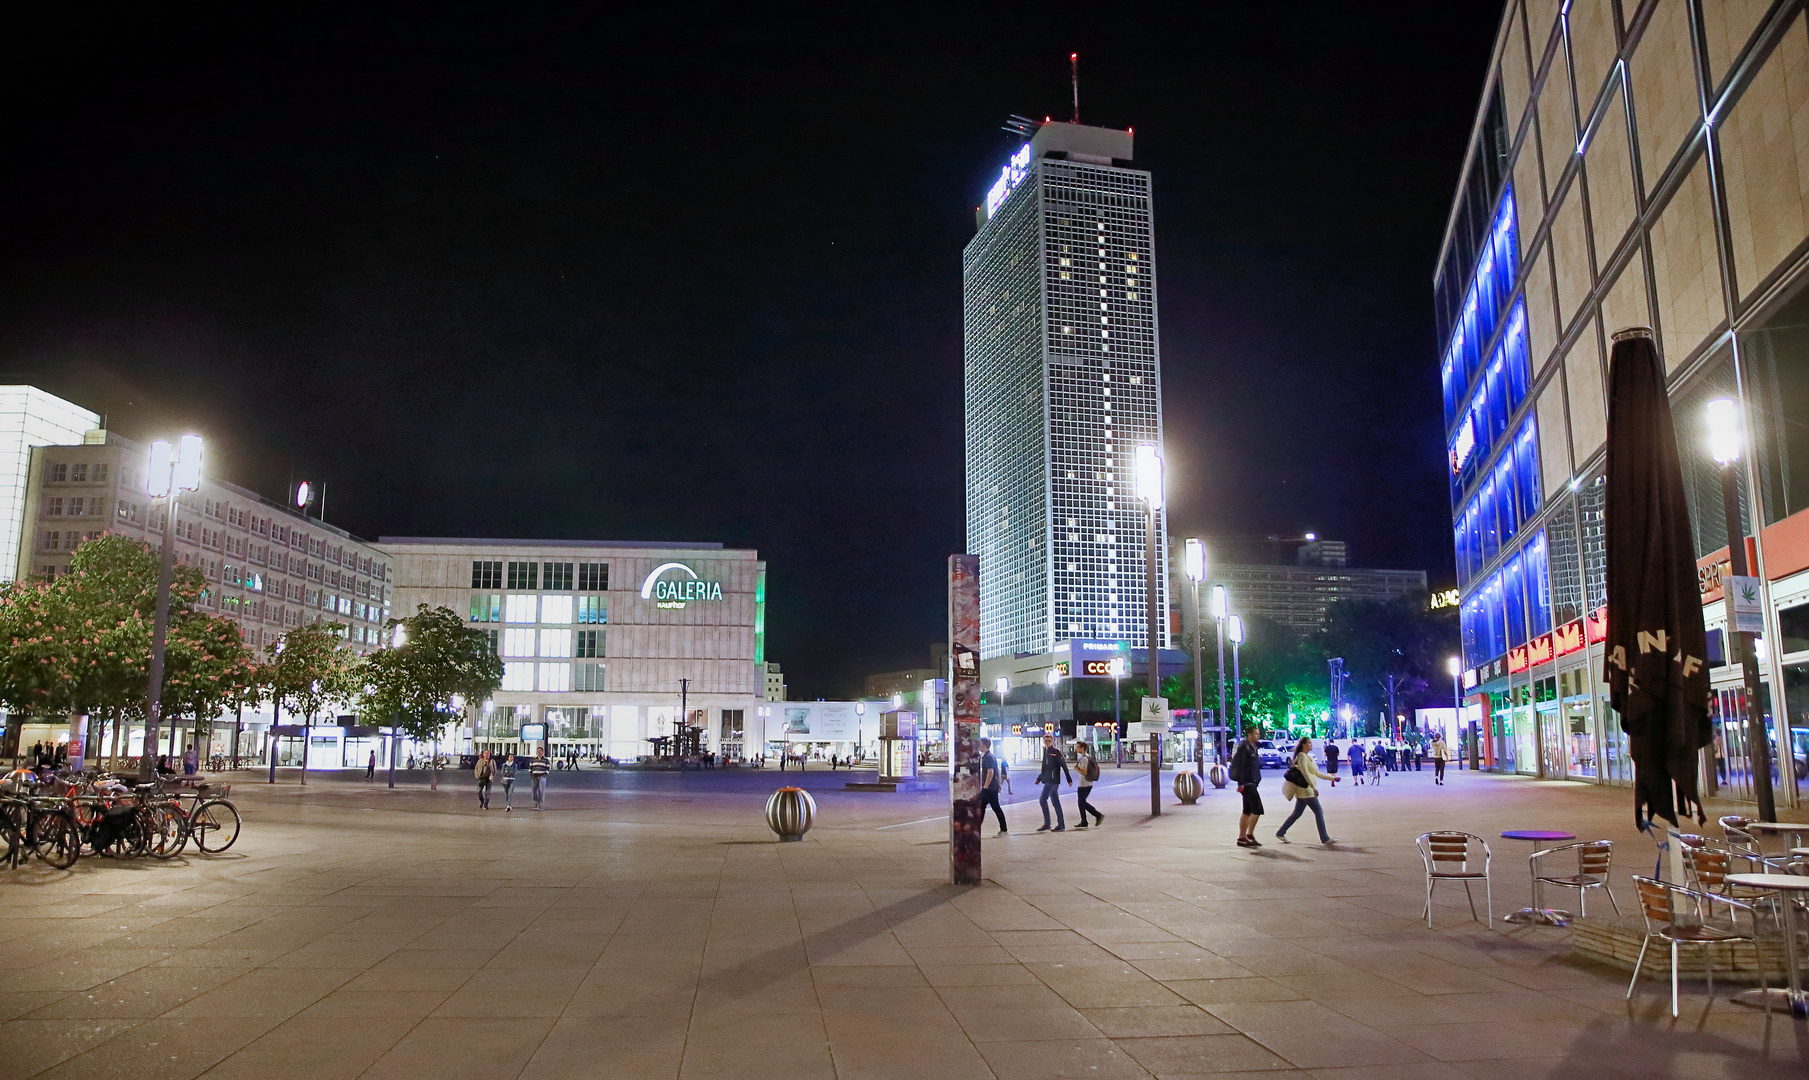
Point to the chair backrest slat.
(1595, 859)
(1444, 848)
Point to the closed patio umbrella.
(1655, 667)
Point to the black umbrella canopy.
(1657, 675)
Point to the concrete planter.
(1187, 787)
(1616, 941)
(790, 812)
(1216, 773)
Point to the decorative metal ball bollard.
(1187, 787)
(1217, 774)
(789, 812)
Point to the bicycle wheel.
(55, 838)
(168, 832)
(215, 825)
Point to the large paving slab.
(650, 926)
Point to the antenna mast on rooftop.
(1074, 76)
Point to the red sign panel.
(1596, 628)
(1568, 638)
(1538, 650)
(1517, 660)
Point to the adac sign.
(673, 585)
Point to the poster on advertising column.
(965, 808)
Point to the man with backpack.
(990, 775)
(1088, 767)
(1055, 770)
(1247, 772)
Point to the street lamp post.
(1237, 672)
(1118, 708)
(1455, 667)
(172, 471)
(1724, 445)
(1221, 609)
(1196, 573)
(1149, 489)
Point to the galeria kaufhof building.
(610, 644)
(1632, 164)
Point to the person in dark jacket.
(1247, 772)
(1331, 761)
(1055, 770)
(1356, 762)
(990, 777)
(538, 770)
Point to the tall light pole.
(1237, 673)
(172, 471)
(1221, 610)
(1724, 445)
(1456, 666)
(1195, 563)
(1117, 666)
(1149, 489)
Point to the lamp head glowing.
(1117, 667)
(1312, 537)
(1454, 666)
(1195, 560)
(1054, 677)
(1221, 602)
(1002, 685)
(399, 636)
(304, 494)
(1236, 629)
(1149, 476)
(188, 463)
(157, 475)
(1724, 430)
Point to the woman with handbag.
(1297, 784)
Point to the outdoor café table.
(1536, 915)
(1790, 1000)
(1796, 829)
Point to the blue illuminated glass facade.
(1508, 496)
(1510, 606)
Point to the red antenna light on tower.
(1074, 76)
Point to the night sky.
(694, 273)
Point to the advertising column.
(964, 734)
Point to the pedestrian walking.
(1356, 763)
(1086, 766)
(1055, 770)
(537, 770)
(370, 767)
(1247, 773)
(485, 770)
(1441, 753)
(990, 777)
(1297, 784)
(191, 760)
(1331, 760)
(506, 772)
(1376, 766)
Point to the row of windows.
(77, 506)
(1509, 496)
(1484, 304)
(58, 472)
(589, 577)
(1514, 604)
(1499, 393)
(530, 608)
(519, 641)
(530, 677)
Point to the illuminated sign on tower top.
(1009, 178)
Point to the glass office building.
(1631, 164)
(1062, 384)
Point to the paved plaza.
(650, 926)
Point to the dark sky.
(679, 272)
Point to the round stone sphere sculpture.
(790, 812)
(1187, 787)
(1217, 774)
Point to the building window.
(486, 607)
(556, 609)
(593, 577)
(732, 724)
(590, 644)
(53, 507)
(588, 677)
(518, 677)
(56, 474)
(524, 575)
(516, 642)
(555, 643)
(51, 540)
(78, 474)
(593, 609)
(558, 575)
(520, 607)
(555, 679)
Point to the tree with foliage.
(435, 662)
(311, 670)
(1380, 638)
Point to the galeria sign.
(673, 585)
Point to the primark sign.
(674, 585)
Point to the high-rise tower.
(1063, 383)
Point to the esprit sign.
(673, 585)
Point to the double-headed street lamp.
(172, 470)
(1149, 489)
(1195, 563)
(1237, 672)
(1724, 446)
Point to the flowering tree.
(434, 663)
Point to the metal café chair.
(1451, 856)
(1733, 827)
(1708, 866)
(1676, 916)
(1594, 858)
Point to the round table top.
(1776, 826)
(1781, 882)
(1799, 851)
(1542, 834)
